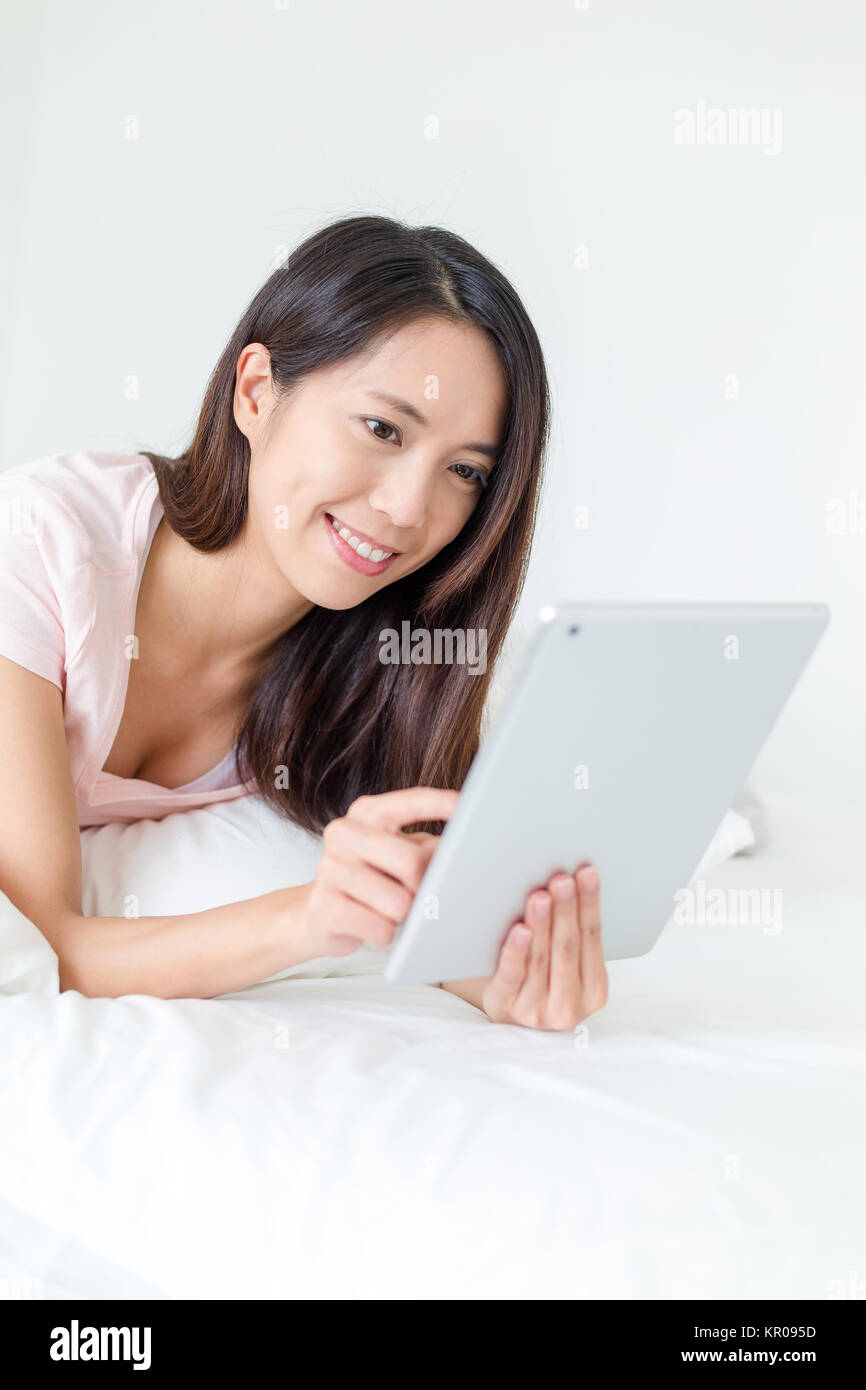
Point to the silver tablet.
(623, 741)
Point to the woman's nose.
(403, 498)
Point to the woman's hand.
(551, 971)
(370, 869)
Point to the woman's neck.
(221, 610)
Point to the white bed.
(333, 1136)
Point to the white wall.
(556, 131)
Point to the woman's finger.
(359, 842)
(533, 995)
(356, 881)
(593, 971)
(393, 810)
(358, 924)
(504, 986)
(565, 985)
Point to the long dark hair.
(327, 720)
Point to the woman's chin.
(328, 581)
(336, 594)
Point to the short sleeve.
(31, 627)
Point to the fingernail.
(562, 887)
(540, 902)
(520, 936)
(588, 880)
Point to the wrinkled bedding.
(329, 1135)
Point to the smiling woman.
(386, 382)
(367, 459)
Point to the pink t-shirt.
(75, 531)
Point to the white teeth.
(363, 548)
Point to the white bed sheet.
(703, 1136)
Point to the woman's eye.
(471, 475)
(476, 475)
(376, 421)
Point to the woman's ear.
(253, 398)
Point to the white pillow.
(193, 860)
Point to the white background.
(257, 124)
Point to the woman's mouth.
(359, 552)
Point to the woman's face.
(398, 476)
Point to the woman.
(174, 632)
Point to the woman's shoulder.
(83, 476)
(86, 496)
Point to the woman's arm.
(194, 955)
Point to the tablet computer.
(623, 741)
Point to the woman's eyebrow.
(407, 408)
